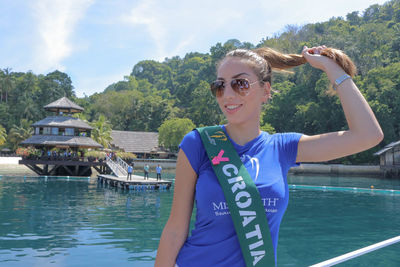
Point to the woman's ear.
(266, 92)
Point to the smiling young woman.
(241, 110)
(243, 84)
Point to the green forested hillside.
(179, 87)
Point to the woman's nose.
(229, 92)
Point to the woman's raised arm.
(176, 230)
(364, 130)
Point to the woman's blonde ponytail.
(282, 61)
(278, 60)
(263, 60)
(341, 59)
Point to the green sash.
(242, 196)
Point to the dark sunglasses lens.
(241, 86)
(217, 87)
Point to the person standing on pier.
(146, 171)
(158, 171)
(130, 170)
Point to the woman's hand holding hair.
(332, 61)
(364, 130)
(318, 58)
(314, 57)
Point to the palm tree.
(102, 131)
(80, 116)
(30, 110)
(20, 133)
(8, 82)
(3, 135)
(1, 85)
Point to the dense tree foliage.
(172, 131)
(3, 135)
(156, 92)
(101, 132)
(23, 95)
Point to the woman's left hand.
(313, 56)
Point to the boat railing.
(357, 253)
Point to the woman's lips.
(232, 108)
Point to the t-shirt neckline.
(248, 144)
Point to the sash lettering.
(242, 198)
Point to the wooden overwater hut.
(143, 144)
(66, 134)
(390, 159)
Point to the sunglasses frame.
(216, 86)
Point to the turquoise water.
(56, 222)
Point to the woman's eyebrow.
(235, 76)
(240, 74)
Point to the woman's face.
(241, 109)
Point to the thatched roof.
(59, 140)
(135, 142)
(64, 105)
(62, 121)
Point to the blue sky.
(97, 42)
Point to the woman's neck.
(242, 134)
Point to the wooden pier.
(64, 166)
(137, 183)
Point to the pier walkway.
(137, 183)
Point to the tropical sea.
(78, 222)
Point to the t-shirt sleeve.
(193, 148)
(289, 145)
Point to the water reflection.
(56, 216)
(80, 223)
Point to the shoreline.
(9, 160)
(9, 165)
(337, 169)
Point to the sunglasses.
(240, 86)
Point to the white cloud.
(175, 26)
(178, 26)
(56, 21)
(146, 13)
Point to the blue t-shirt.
(158, 169)
(213, 241)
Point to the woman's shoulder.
(284, 137)
(192, 136)
(284, 134)
(193, 148)
(191, 142)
